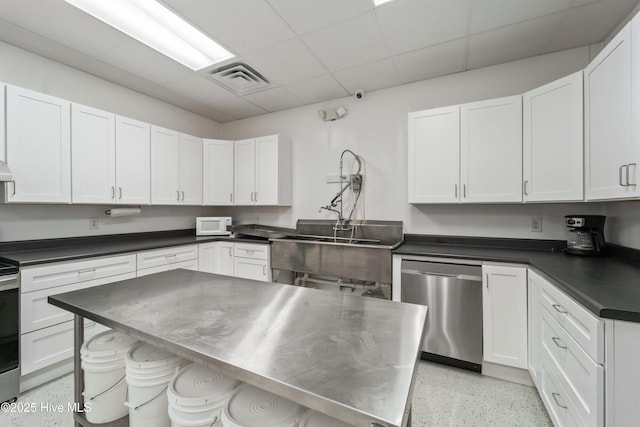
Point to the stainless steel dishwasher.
(453, 293)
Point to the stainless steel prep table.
(351, 357)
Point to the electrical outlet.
(93, 223)
(536, 225)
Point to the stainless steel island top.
(351, 357)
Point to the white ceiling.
(313, 50)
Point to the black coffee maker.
(586, 234)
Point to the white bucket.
(104, 375)
(148, 373)
(197, 395)
(249, 406)
(311, 418)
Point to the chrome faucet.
(343, 224)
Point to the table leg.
(78, 374)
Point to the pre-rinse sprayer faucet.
(355, 183)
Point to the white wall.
(376, 128)
(623, 223)
(22, 222)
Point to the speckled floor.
(443, 396)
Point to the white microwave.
(212, 225)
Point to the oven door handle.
(8, 283)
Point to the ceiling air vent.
(239, 78)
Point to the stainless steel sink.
(315, 250)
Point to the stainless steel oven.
(9, 333)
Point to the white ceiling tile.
(434, 61)
(489, 14)
(178, 5)
(59, 21)
(238, 108)
(287, 62)
(317, 89)
(201, 89)
(589, 24)
(511, 43)
(307, 16)
(368, 77)
(414, 24)
(348, 44)
(137, 58)
(273, 99)
(244, 26)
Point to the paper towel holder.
(116, 212)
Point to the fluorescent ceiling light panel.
(377, 3)
(156, 26)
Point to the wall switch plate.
(94, 224)
(536, 225)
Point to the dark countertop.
(34, 252)
(608, 286)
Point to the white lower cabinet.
(534, 323)
(165, 259)
(504, 308)
(623, 375)
(246, 260)
(191, 264)
(569, 362)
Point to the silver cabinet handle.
(251, 196)
(620, 175)
(113, 192)
(557, 341)
(486, 276)
(560, 309)
(256, 196)
(464, 190)
(119, 192)
(87, 271)
(634, 168)
(182, 195)
(231, 197)
(264, 270)
(455, 190)
(555, 397)
(14, 188)
(178, 195)
(524, 188)
(230, 254)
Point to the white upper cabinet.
(3, 141)
(491, 150)
(217, 172)
(133, 161)
(262, 171)
(38, 132)
(190, 170)
(93, 155)
(611, 135)
(176, 168)
(434, 155)
(552, 141)
(165, 166)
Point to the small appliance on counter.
(213, 225)
(586, 234)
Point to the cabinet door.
(209, 257)
(491, 151)
(3, 140)
(190, 170)
(244, 172)
(254, 269)
(267, 166)
(609, 146)
(133, 161)
(92, 155)
(225, 262)
(217, 172)
(434, 155)
(534, 324)
(504, 309)
(165, 166)
(552, 141)
(38, 147)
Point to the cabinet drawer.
(51, 345)
(188, 265)
(583, 378)
(584, 327)
(253, 269)
(166, 256)
(36, 313)
(555, 398)
(65, 273)
(251, 250)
